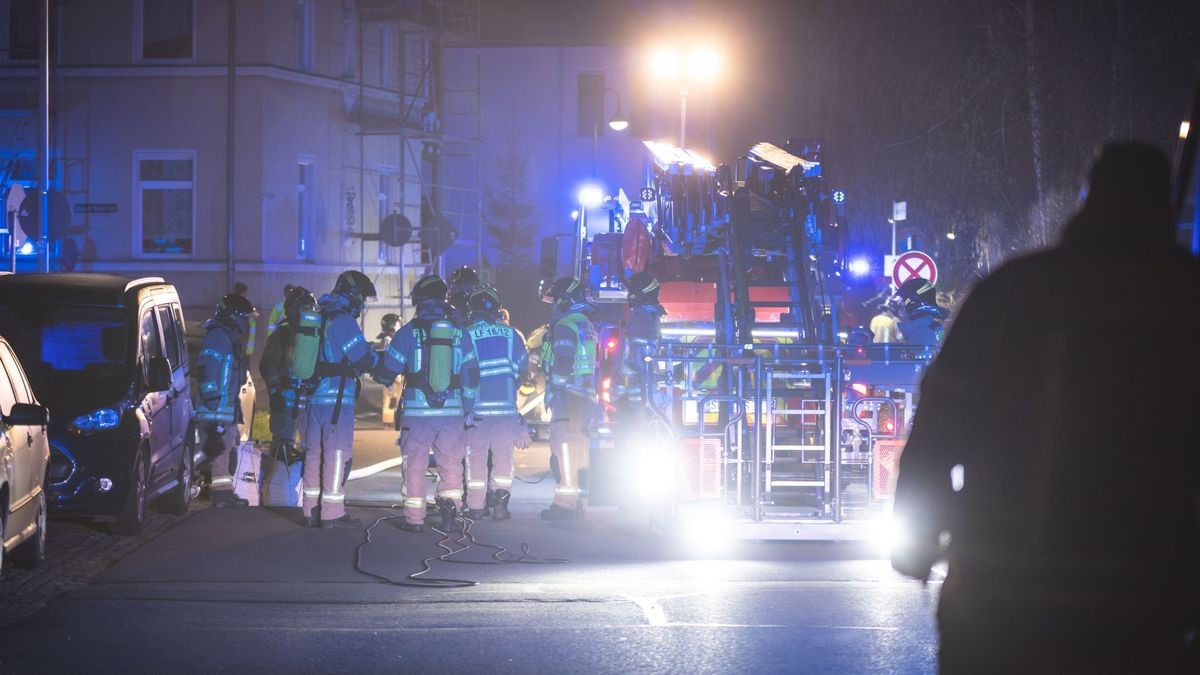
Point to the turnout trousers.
(497, 436)
(328, 454)
(224, 465)
(448, 440)
(569, 450)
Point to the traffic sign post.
(914, 265)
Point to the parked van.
(23, 459)
(107, 355)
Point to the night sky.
(936, 102)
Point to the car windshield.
(74, 355)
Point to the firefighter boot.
(449, 514)
(411, 527)
(500, 510)
(346, 522)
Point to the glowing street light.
(698, 65)
(618, 122)
(950, 236)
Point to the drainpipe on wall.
(231, 72)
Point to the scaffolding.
(436, 128)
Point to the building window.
(165, 202)
(590, 103)
(306, 21)
(165, 29)
(387, 182)
(305, 189)
(24, 26)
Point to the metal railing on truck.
(774, 432)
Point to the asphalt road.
(253, 591)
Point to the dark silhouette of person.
(1053, 458)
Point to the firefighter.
(431, 352)
(277, 312)
(885, 326)
(391, 394)
(569, 360)
(497, 426)
(463, 281)
(327, 434)
(1073, 536)
(642, 332)
(221, 370)
(275, 366)
(920, 317)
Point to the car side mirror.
(27, 414)
(158, 374)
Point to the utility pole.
(230, 160)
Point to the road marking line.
(374, 468)
(655, 615)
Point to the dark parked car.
(106, 354)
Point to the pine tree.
(509, 216)
(510, 220)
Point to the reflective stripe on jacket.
(502, 358)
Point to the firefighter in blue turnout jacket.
(327, 434)
(463, 282)
(642, 333)
(498, 428)
(220, 371)
(432, 354)
(569, 360)
(275, 366)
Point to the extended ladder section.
(783, 251)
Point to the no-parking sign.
(914, 265)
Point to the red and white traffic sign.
(914, 265)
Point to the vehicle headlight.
(97, 420)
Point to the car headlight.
(97, 420)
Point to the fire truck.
(772, 417)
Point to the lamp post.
(695, 66)
(617, 122)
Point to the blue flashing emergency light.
(839, 196)
(859, 267)
(591, 197)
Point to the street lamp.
(617, 122)
(698, 65)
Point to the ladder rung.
(798, 447)
(797, 411)
(776, 375)
(797, 483)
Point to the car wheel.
(32, 551)
(133, 515)
(177, 501)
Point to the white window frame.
(139, 185)
(139, 13)
(389, 70)
(388, 178)
(306, 206)
(306, 35)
